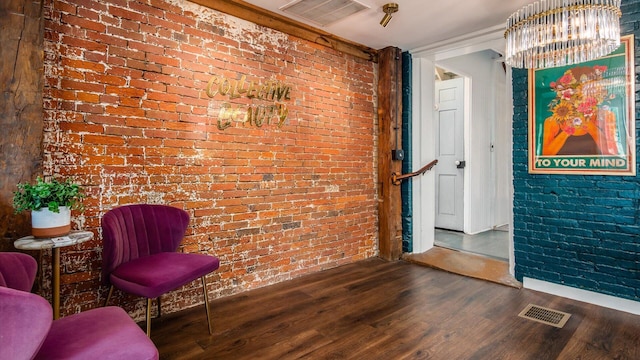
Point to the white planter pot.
(45, 223)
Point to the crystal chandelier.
(553, 33)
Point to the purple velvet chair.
(139, 254)
(28, 331)
(17, 271)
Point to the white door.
(449, 173)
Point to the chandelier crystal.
(552, 33)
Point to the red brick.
(143, 123)
(64, 7)
(127, 14)
(90, 108)
(77, 85)
(163, 59)
(146, 9)
(111, 130)
(130, 34)
(103, 140)
(180, 19)
(76, 43)
(97, 57)
(78, 127)
(145, 142)
(146, 47)
(102, 119)
(105, 79)
(144, 66)
(129, 103)
(124, 111)
(83, 22)
(165, 43)
(124, 91)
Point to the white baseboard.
(590, 297)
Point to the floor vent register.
(544, 315)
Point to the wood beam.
(260, 16)
(21, 108)
(389, 138)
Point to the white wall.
(502, 135)
(423, 140)
(484, 170)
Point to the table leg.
(56, 283)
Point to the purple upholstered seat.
(154, 275)
(102, 333)
(139, 255)
(27, 329)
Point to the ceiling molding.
(256, 15)
(472, 42)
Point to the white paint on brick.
(259, 37)
(78, 221)
(155, 198)
(333, 188)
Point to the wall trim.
(489, 38)
(590, 297)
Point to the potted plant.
(50, 203)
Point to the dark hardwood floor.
(393, 310)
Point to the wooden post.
(389, 138)
(21, 114)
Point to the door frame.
(423, 79)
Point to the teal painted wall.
(577, 230)
(407, 194)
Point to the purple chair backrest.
(26, 319)
(134, 231)
(17, 270)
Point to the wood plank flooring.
(393, 310)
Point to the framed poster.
(582, 116)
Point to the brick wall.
(579, 231)
(128, 114)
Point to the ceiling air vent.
(323, 12)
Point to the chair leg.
(149, 317)
(109, 295)
(158, 302)
(206, 304)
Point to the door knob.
(460, 164)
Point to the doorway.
(491, 243)
(472, 198)
(484, 186)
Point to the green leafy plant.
(51, 195)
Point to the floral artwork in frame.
(581, 117)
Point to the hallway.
(481, 256)
(492, 243)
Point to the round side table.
(32, 243)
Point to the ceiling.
(417, 23)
